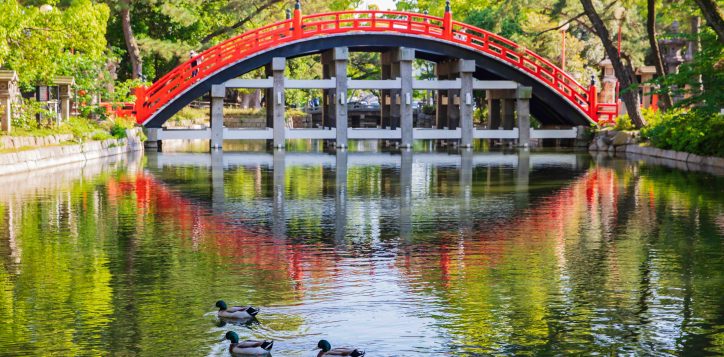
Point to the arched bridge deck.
(557, 97)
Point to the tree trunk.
(713, 17)
(134, 53)
(624, 73)
(654, 43)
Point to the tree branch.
(576, 19)
(240, 23)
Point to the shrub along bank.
(696, 131)
(81, 128)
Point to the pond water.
(400, 254)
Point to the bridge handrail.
(210, 61)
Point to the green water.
(399, 254)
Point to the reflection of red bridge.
(203, 230)
(535, 229)
(278, 259)
(557, 97)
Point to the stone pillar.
(453, 98)
(8, 94)
(269, 98)
(6, 113)
(328, 104)
(508, 113)
(340, 56)
(385, 94)
(442, 70)
(493, 111)
(524, 95)
(467, 68)
(153, 141)
(218, 92)
(278, 65)
(64, 96)
(395, 98)
(405, 56)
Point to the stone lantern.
(646, 73)
(65, 85)
(9, 93)
(608, 82)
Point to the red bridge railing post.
(297, 33)
(140, 93)
(447, 22)
(593, 100)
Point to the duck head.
(232, 336)
(221, 305)
(324, 345)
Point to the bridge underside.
(547, 106)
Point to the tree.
(134, 53)
(712, 14)
(67, 40)
(624, 73)
(654, 43)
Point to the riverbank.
(63, 153)
(629, 144)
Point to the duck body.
(326, 350)
(342, 351)
(236, 312)
(248, 347)
(251, 348)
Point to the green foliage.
(707, 65)
(63, 41)
(123, 91)
(696, 131)
(624, 123)
(29, 110)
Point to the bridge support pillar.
(269, 98)
(340, 56)
(328, 107)
(508, 113)
(466, 67)
(278, 65)
(453, 97)
(405, 56)
(442, 70)
(218, 92)
(385, 94)
(493, 111)
(523, 95)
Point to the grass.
(82, 129)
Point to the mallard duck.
(236, 312)
(326, 350)
(248, 347)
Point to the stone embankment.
(49, 156)
(629, 143)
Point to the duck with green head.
(248, 347)
(325, 349)
(236, 312)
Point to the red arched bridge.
(556, 97)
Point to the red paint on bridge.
(299, 27)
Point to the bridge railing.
(299, 27)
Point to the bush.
(696, 131)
